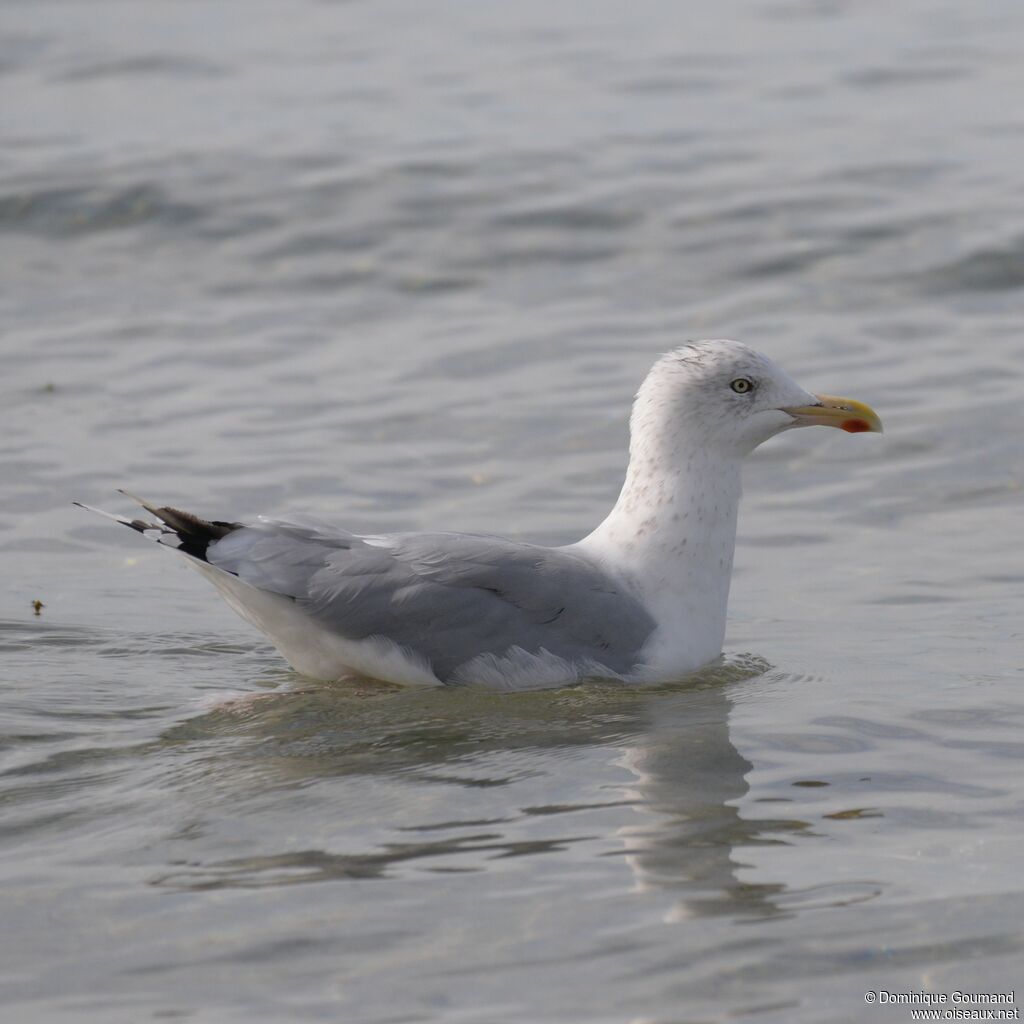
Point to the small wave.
(154, 64)
(986, 269)
(589, 217)
(884, 78)
(62, 212)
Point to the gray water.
(403, 265)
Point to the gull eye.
(741, 385)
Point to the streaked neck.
(666, 519)
(671, 537)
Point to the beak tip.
(859, 426)
(845, 413)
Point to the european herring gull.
(642, 598)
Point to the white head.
(724, 397)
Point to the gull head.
(726, 398)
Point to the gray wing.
(448, 597)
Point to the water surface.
(406, 270)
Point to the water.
(405, 267)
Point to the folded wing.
(449, 598)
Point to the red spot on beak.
(855, 426)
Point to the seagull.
(641, 599)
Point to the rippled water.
(404, 265)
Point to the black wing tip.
(194, 534)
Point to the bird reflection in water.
(667, 789)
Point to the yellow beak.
(845, 413)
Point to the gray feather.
(447, 597)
